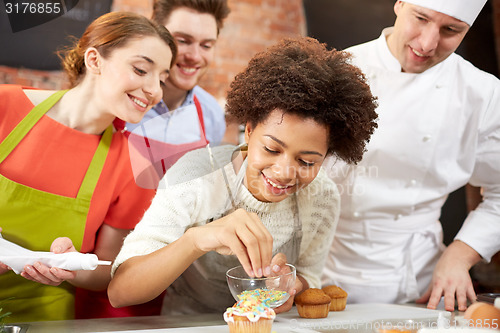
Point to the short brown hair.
(302, 77)
(217, 8)
(108, 32)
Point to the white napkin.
(16, 257)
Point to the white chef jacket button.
(398, 216)
(413, 182)
(439, 86)
(426, 138)
(356, 214)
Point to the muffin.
(250, 314)
(313, 303)
(338, 296)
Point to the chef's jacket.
(437, 131)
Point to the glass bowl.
(274, 289)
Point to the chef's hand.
(278, 265)
(451, 278)
(240, 233)
(52, 276)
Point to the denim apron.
(33, 219)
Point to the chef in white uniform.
(439, 129)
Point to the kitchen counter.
(122, 324)
(355, 318)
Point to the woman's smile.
(276, 188)
(140, 103)
(285, 153)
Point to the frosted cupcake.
(251, 314)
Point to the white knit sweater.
(200, 196)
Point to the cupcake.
(313, 303)
(251, 314)
(338, 296)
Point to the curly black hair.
(302, 77)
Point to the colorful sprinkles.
(254, 304)
(267, 296)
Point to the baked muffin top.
(334, 291)
(312, 296)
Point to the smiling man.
(195, 26)
(439, 129)
(188, 117)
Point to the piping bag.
(16, 257)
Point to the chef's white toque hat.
(464, 10)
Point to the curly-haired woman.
(270, 203)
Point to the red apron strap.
(120, 126)
(200, 117)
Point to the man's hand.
(451, 278)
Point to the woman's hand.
(240, 233)
(52, 276)
(3, 268)
(279, 267)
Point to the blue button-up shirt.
(182, 125)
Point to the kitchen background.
(27, 56)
